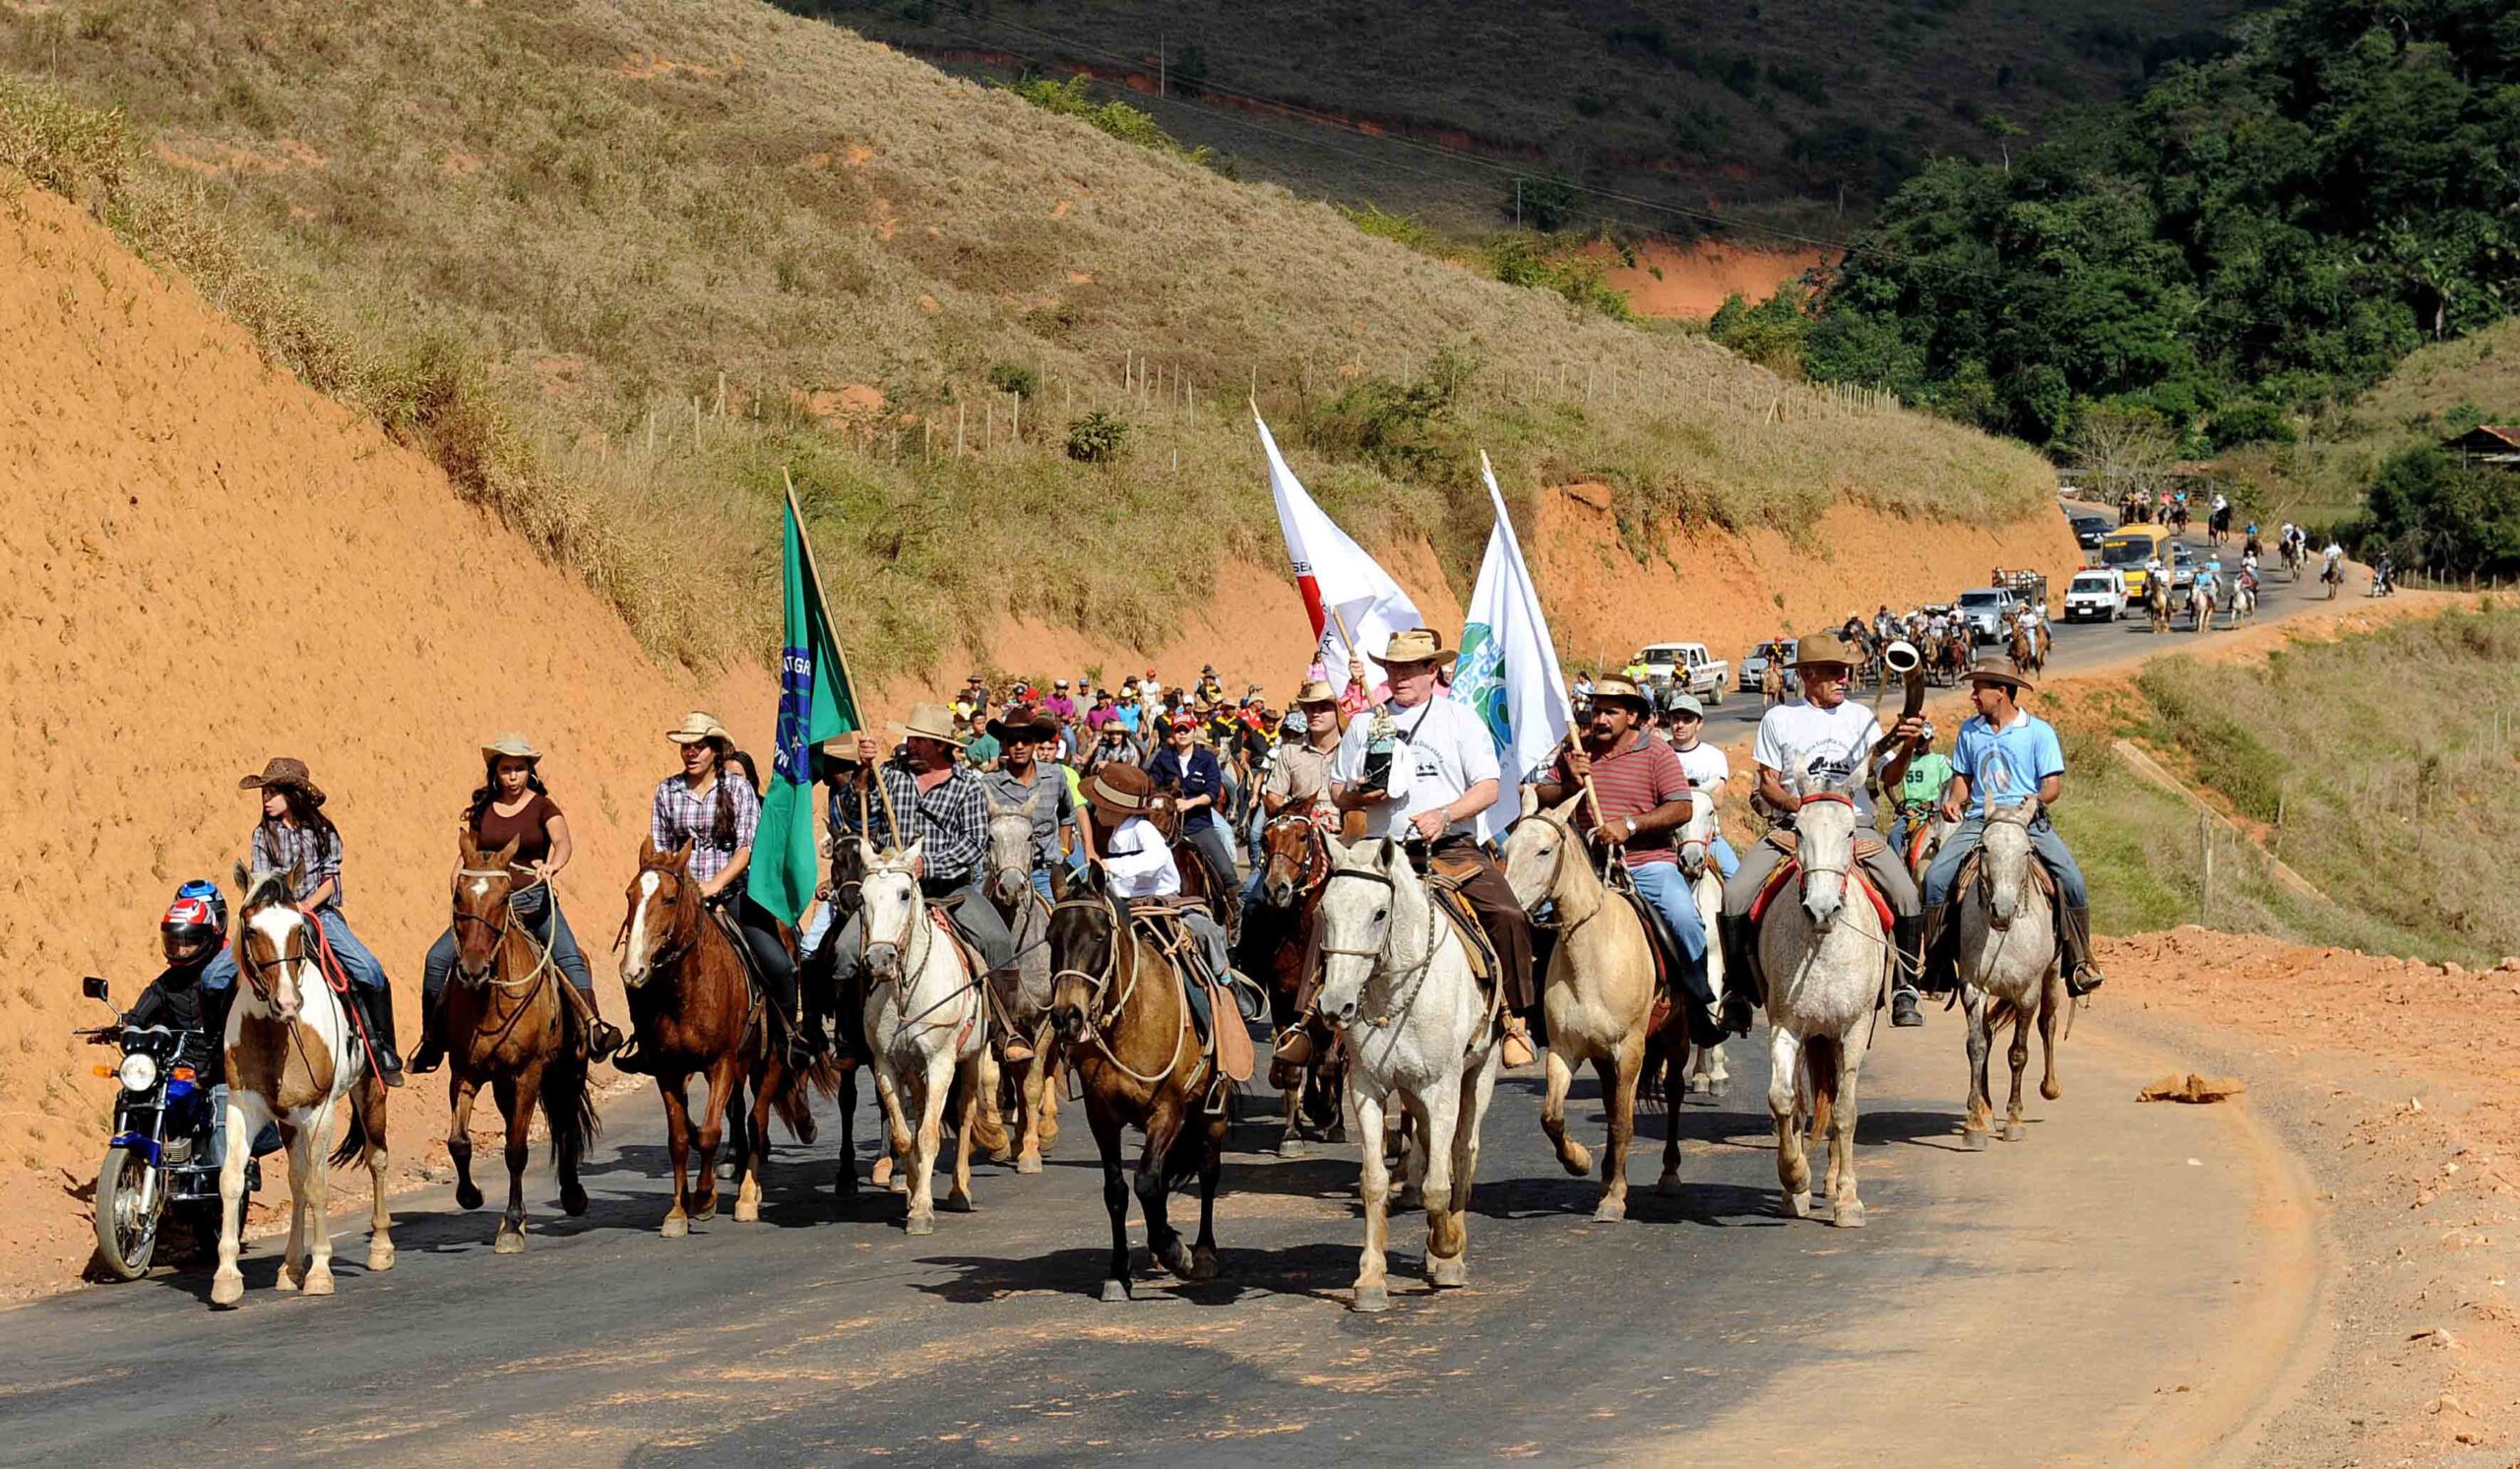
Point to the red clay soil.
(1675, 280)
(206, 565)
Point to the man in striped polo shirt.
(1644, 796)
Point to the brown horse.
(693, 1013)
(1276, 946)
(508, 1023)
(2029, 650)
(1119, 1010)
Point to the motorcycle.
(164, 1155)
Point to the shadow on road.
(1321, 1271)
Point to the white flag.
(1508, 669)
(1334, 572)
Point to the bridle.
(1808, 866)
(1099, 1016)
(255, 969)
(1415, 976)
(1558, 869)
(1316, 851)
(677, 942)
(499, 931)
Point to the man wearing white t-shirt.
(1822, 739)
(1706, 767)
(1438, 773)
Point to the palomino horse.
(2029, 650)
(1123, 1016)
(507, 1023)
(693, 1013)
(1276, 947)
(1026, 914)
(928, 1025)
(1598, 995)
(291, 1061)
(2008, 966)
(1398, 984)
(1772, 681)
(2157, 602)
(1827, 959)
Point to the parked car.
(1754, 664)
(1986, 610)
(2091, 527)
(2095, 595)
(1683, 667)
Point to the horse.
(1954, 655)
(2243, 604)
(291, 1061)
(1397, 985)
(1122, 1018)
(2292, 554)
(1599, 994)
(1707, 1074)
(2201, 604)
(2029, 650)
(1772, 681)
(693, 1013)
(2008, 966)
(818, 984)
(508, 1023)
(1276, 947)
(1010, 868)
(2157, 601)
(1827, 959)
(927, 1024)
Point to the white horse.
(291, 1061)
(2008, 966)
(927, 1023)
(1827, 959)
(2243, 604)
(1397, 982)
(1708, 1077)
(2200, 602)
(1011, 863)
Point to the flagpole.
(1592, 798)
(892, 819)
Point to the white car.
(2097, 595)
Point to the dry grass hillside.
(615, 264)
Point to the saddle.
(1791, 869)
(1484, 963)
(1972, 872)
(1227, 1047)
(1672, 975)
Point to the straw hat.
(1316, 691)
(1417, 645)
(1118, 792)
(696, 726)
(1023, 721)
(1824, 647)
(930, 721)
(2006, 676)
(511, 745)
(1619, 689)
(288, 773)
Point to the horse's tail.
(1999, 1013)
(368, 1094)
(794, 1107)
(568, 1110)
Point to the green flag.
(815, 703)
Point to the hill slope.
(558, 236)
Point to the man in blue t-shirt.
(2006, 755)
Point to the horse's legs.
(228, 1284)
(979, 1100)
(370, 1102)
(2052, 1000)
(847, 1183)
(754, 1154)
(1978, 1115)
(984, 1115)
(1291, 1141)
(1846, 1208)
(1619, 1072)
(461, 1089)
(893, 1168)
(1675, 1089)
(1793, 1168)
(1571, 1155)
(1439, 1145)
(1115, 1201)
(1372, 1295)
(738, 1133)
(713, 1127)
(1163, 1124)
(1821, 1065)
(1204, 1264)
(316, 1203)
(1051, 1072)
(516, 1106)
(1032, 1093)
(292, 1257)
(2019, 1056)
(674, 1089)
(928, 1095)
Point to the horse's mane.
(262, 887)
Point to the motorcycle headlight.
(139, 1072)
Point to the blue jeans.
(1664, 886)
(1969, 834)
(549, 927)
(356, 961)
(1727, 860)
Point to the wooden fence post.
(2205, 867)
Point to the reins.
(1401, 996)
(1098, 984)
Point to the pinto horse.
(291, 1061)
(1276, 946)
(508, 1023)
(693, 1013)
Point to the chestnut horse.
(693, 1013)
(1276, 947)
(508, 1023)
(1121, 1013)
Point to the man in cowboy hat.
(1644, 799)
(1299, 772)
(1422, 769)
(2006, 755)
(1820, 739)
(1025, 782)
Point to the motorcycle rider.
(191, 995)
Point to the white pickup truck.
(1684, 669)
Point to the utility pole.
(1518, 200)
(1162, 61)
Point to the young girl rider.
(511, 804)
(297, 839)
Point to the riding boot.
(1937, 963)
(1907, 934)
(2082, 972)
(377, 1006)
(1743, 994)
(432, 1049)
(603, 1039)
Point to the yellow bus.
(2128, 548)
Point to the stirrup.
(626, 1057)
(2084, 981)
(603, 1039)
(1517, 1037)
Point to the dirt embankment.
(1671, 280)
(206, 565)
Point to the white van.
(2096, 594)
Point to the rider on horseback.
(1026, 782)
(1137, 862)
(1643, 796)
(1191, 775)
(2006, 755)
(1707, 768)
(298, 840)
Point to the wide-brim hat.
(288, 773)
(1120, 792)
(930, 721)
(1023, 721)
(2006, 676)
(1824, 647)
(1415, 645)
(698, 726)
(1316, 691)
(1620, 689)
(513, 746)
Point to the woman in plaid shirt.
(295, 837)
(718, 817)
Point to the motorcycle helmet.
(195, 923)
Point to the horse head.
(664, 918)
(1292, 860)
(888, 905)
(275, 943)
(1371, 900)
(2008, 859)
(1537, 847)
(1010, 851)
(483, 883)
(1084, 942)
(1697, 835)
(1824, 836)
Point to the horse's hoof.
(1370, 1298)
(1669, 1183)
(2051, 1090)
(1797, 1205)
(1292, 1147)
(897, 1183)
(227, 1287)
(289, 1280)
(2012, 1132)
(1576, 1159)
(1029, 1163)
(1204, 1266)
(1609, 1211)
(704, 1211)
(844, 1184)
(747, 1212)
(509, 1241)
(1848, 1214)
(1114, 1291)
(881, 1172)
(960, 1203)
(1718, 1087)
(1975, 1142)
(676, 1227)
(725, 1169)
(1447, 1274)
(380, 1259)
(919, 1225)
(572, 1200)
(318, 1283)
(1700, 1086)
(1175, 1257)
(467, 1196)
(1001, 1156)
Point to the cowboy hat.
(1120, 792)
(1316, 691)
(1022, 722)
(1619, 689)
(930, 721)
(288, 773)
(513, 746)
(2019, 684)
(1415, 645)
(1824, 647)
(696, 726)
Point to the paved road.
(824, 1333)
